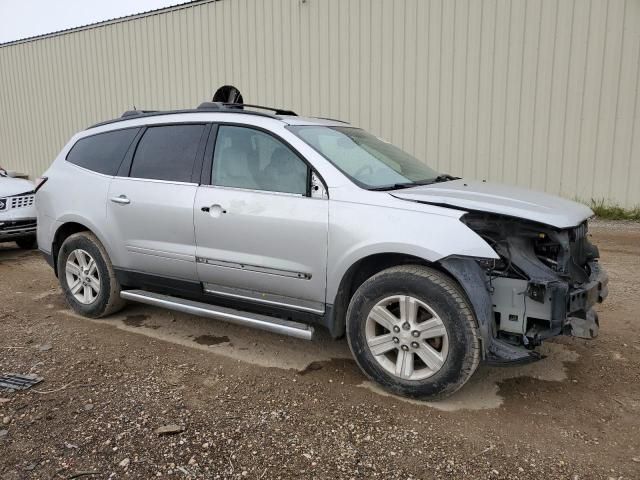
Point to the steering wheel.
(362, 169)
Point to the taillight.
(40, 181)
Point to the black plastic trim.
(193, 290)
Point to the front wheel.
(412, 331)
(87, 277)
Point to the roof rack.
(241, 106)
(220, 107)
(277, 111)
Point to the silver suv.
(284, 223)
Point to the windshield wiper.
(445, 177)
(395, 186)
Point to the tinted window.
(104, 152)
(248, 158)
(167, 153)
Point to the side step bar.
(255, 320)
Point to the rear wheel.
(412, 331)
(87, 277)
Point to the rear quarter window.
(103, 152)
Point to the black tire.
(27, 243)
(441, 294)
(108, 299)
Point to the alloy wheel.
(83, 278)
(407, 337)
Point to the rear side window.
(104, 152)
(167, 153)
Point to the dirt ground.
(261, 406)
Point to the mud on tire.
(428, 287)
(107, 300)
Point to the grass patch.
(614, 212)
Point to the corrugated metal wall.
(542, 93)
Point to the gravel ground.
(238, 403)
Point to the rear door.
(150, 202)
(260, 234)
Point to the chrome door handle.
(122, 200)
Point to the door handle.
(214, 210)
(122, 200)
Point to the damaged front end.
(545, 283)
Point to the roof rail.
(134, 113)
(277, 111)
(220, 107)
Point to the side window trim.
(207, 166)
(210, 152)
(198, 165)
(125, 165)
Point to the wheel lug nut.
(405, 348)
(415, 333)
(406, 325)
(415, 344)
(396, 340)
(396, 329)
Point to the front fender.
(358, 231)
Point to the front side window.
(167, 152)
(249, 158)
(103, 152)
(369, 161)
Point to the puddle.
(232, 341)
(482, 391)
(135, 320)
(312, 367)
(211, 340)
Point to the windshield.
(369, 161)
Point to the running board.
(247, 319)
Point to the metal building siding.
(540, 93)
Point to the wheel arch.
(358, 272)
(67, 228)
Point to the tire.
(441, 337)
(104, 290)
(27, 243)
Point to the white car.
(17, 211)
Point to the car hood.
(10, 186)
(502, 199)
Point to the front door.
(260, 235)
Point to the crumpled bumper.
(582, 320)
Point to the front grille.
(22, 201)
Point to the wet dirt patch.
(48, 293)
(211, 340)
(312, 367)
(482, 392)
(243, 344)
(135, 320)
